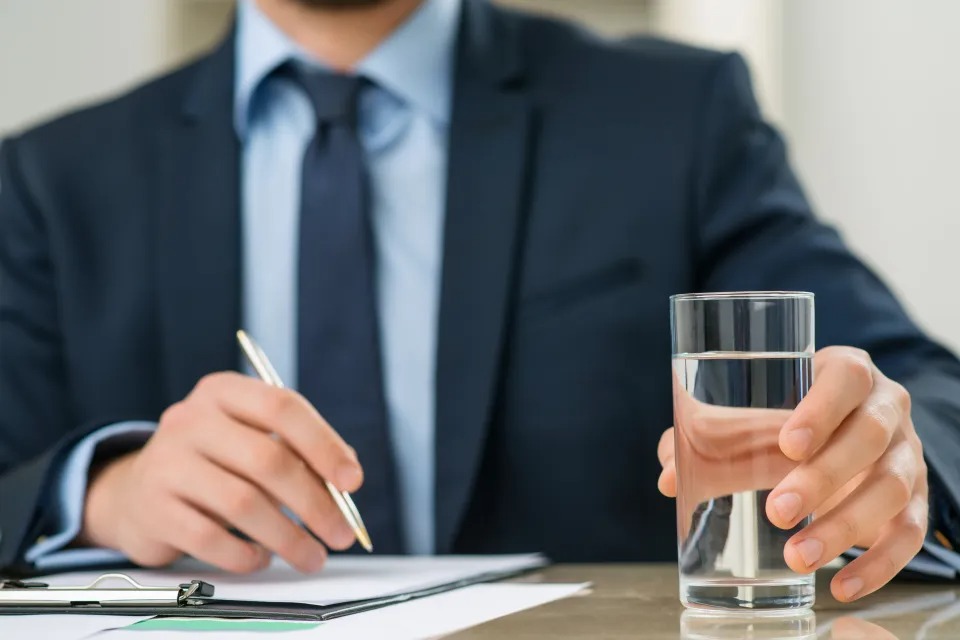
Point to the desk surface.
(640, 601)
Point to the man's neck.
(338, 36)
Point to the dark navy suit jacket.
(587, 182)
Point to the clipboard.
(192, 599)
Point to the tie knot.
(333, 95)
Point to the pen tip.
(364, 539)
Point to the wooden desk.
(640, 601)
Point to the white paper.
(61, 627)
(445, 613)
(415, 620)
(344, 579)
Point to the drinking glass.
(742, 362)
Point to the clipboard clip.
(18, 593)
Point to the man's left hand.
(861, 473)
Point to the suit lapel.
(197, 229)
(490, 134)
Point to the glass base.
(746, 594)
(788, 624)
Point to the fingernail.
(787, 506)
(349, 475)
(799, 441)
(810, 550)
(851, 587)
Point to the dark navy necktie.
(339, 361)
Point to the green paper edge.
(220, 624)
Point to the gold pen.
(261, 364)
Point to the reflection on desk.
(640, 602)
(708, 625)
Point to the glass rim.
(743, 295)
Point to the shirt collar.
(415, 62)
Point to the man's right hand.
(215, 465)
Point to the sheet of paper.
(416, 620)
(61, 627)
(345, 578)
(445, 613)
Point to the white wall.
(752, 27)
(872, 106)
(54, 54)
(57, 54)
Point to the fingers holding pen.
(273, 467)
(230, 456)
(290, 416)
(229, 498)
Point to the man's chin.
(339, 4)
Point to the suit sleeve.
(67, 493)
(36, 422)
(755, 231)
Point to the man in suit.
(454, 229)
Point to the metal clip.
(39, 594)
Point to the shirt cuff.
(68, 490)
(71, 559)
(944, 517)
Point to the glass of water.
(741, 364)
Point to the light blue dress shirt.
(403, 126)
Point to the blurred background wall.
(867, 92)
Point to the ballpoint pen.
(261, 364)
